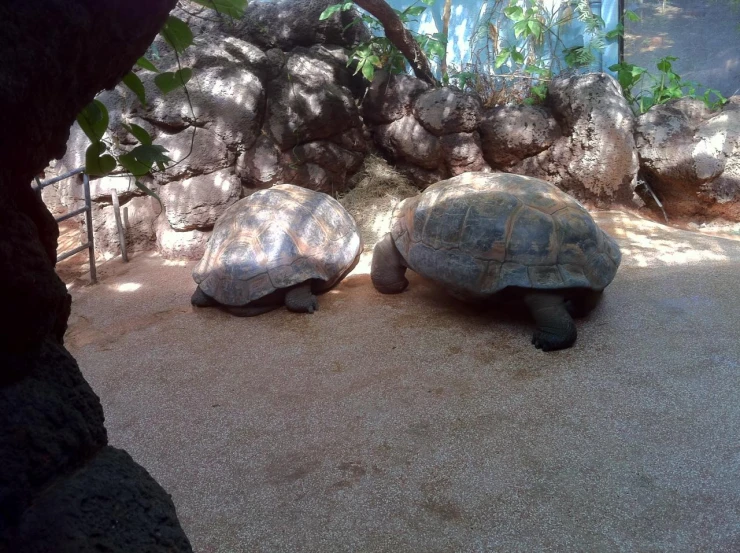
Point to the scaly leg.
(300, 299)
(387, 270)
(555, 327)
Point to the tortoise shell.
(277, 238)
(479, 233)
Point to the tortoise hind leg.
(583, 302)
(300, 299)
(200, 299)
(555, 327)
(387, 270)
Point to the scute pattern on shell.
(479, 233)
(274, 239)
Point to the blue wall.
(467, 16)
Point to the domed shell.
(277, 238)
(481, 232)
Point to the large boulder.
(447, 110)
(406, 139)
(137, 220)
(87, 512)
(51, 422)
(510, 134)
(286, 24)
(691, 158)
(197, 202)
(174, 244)
(462, 153)
(595, 158)
(391, 97)
(307, 102)
(226, 94)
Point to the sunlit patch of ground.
(645, 243)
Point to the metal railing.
(87, 210)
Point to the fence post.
(88, 220)
(121, 234)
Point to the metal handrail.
(87, 210)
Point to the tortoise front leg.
(555, 327)
(300, 299)
(387, 270)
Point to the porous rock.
(306, 103)
(174, 244)
(137, 219)
(50, 423)
(112, 504)
(286, 24)
(447, 110)
(692, 159)
(391, 97)
(462, 153)
(510, 134)
(406, 139)
(595, 158)
(197, 202)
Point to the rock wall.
(62, 488)
(581, 139)
(271, 100)
(691, 158)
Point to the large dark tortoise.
(502, 236)
(279, 246)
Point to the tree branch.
(400, 37)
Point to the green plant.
(378, 52)
(518, 70)
(100, 157)
(644, 90)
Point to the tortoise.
(499, 236)
(279, 246)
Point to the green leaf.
(146, 64)
(139, 133)
(133, 81)
(502, 58)
(139, 161)
(664, 65)
(515, 13)
(517, 56)
(151, 153)
(177, 34)
(169, 81)
(535, 28)
(632, 16)
(93, 120)
(97, 164)
(331, 10)
(520, 28)
(148, 191)
(133, 165)
(413, 11)
(232, 8)
(616, 32)
(368, 71)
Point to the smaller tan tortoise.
(499, 237)
(279, 246)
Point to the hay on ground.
(378, 189)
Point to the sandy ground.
(417, 423)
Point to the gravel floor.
(416, 423)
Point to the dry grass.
(378, 188)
